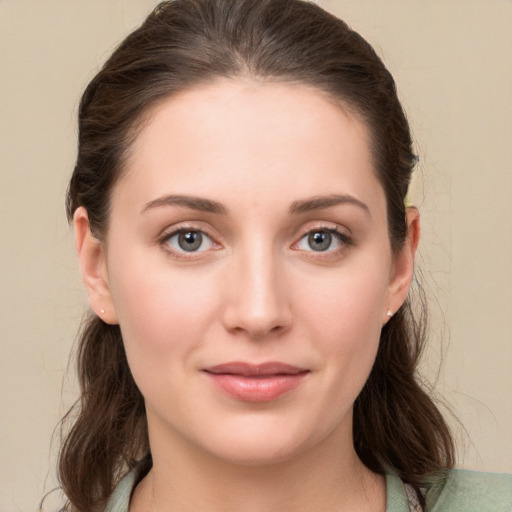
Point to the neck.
(328, 477)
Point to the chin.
(257, 454)
(262, 445)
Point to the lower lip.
(256, 389)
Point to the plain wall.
(451, 61)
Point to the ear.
(93, 265)
(403, 263)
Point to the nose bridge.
(257, 302)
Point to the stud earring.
(388, 313)
(102, 311)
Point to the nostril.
(238, 320)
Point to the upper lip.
(255, 370)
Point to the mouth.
(256, 382)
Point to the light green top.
(461, 491)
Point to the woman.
(239, 210)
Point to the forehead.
(242, 137)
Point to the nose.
(256, 296)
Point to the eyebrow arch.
(194, 203)
(319, 202)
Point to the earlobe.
(403, 265)
(93, 266)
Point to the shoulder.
(470, 491)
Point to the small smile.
(256, 382)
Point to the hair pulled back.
(182, 44)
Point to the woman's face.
(249, 267)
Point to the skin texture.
(254, 291)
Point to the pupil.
(320, 240)
(190, 240)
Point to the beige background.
(451, 60)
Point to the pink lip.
(256, 382)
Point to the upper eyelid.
(166, 236)
(179, 227)
(334, 230)
(326, 226)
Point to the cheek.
(348, 304)
(345, 320)
(163, 316)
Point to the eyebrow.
(297, 207)
(319, 202)
(194, 203)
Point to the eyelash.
(342, 238)
(184, 254)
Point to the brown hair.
(184, 43)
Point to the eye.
(323, 240)
(189, 240)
